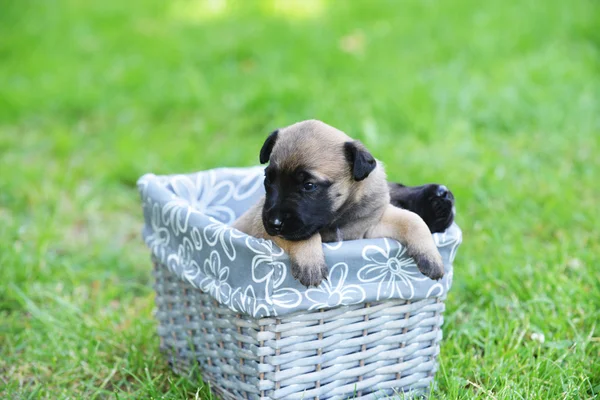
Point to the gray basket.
(227, 304)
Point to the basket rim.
(196, 246)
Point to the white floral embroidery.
(204, 193)
(251, 183)
(452, 238)
(437, 287)
(394, 273)
(196, 238)
(215, 278)
(333, 292)
(224, 234)
(159, 236)
(334, 245)
(272, 273)
(264, 269)
(285, 298)
(176, 214)
(246, 302)
(188, 266)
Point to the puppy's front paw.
(310, 275)
(431, 266)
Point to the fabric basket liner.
(187, 228)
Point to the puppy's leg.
(250, 222)
(307, 259)
(410, 230)
(306, 256)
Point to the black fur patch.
(361, 161)
(267, 148)
(435, 208)
(302, 212)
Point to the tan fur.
(313, 145)
(251, 222)
(308, 260)
(410, 230)
(318, 147)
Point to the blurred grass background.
(499, 100)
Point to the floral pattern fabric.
(187, 228)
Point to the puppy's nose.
(442, 191)
(275, 223)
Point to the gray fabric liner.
(187, 228)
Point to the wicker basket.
(226, 304)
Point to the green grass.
(500, 100)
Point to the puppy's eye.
(308, 186)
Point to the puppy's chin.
(298, 235)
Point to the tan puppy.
(322, 186)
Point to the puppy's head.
(314, 169)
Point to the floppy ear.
(361, 161)
(265, 152)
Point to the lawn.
(499, 100)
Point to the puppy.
(322, 186)
(434, 203)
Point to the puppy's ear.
(265, 152)
(361, 161)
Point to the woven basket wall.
(366, 351)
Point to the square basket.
(227, 304)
